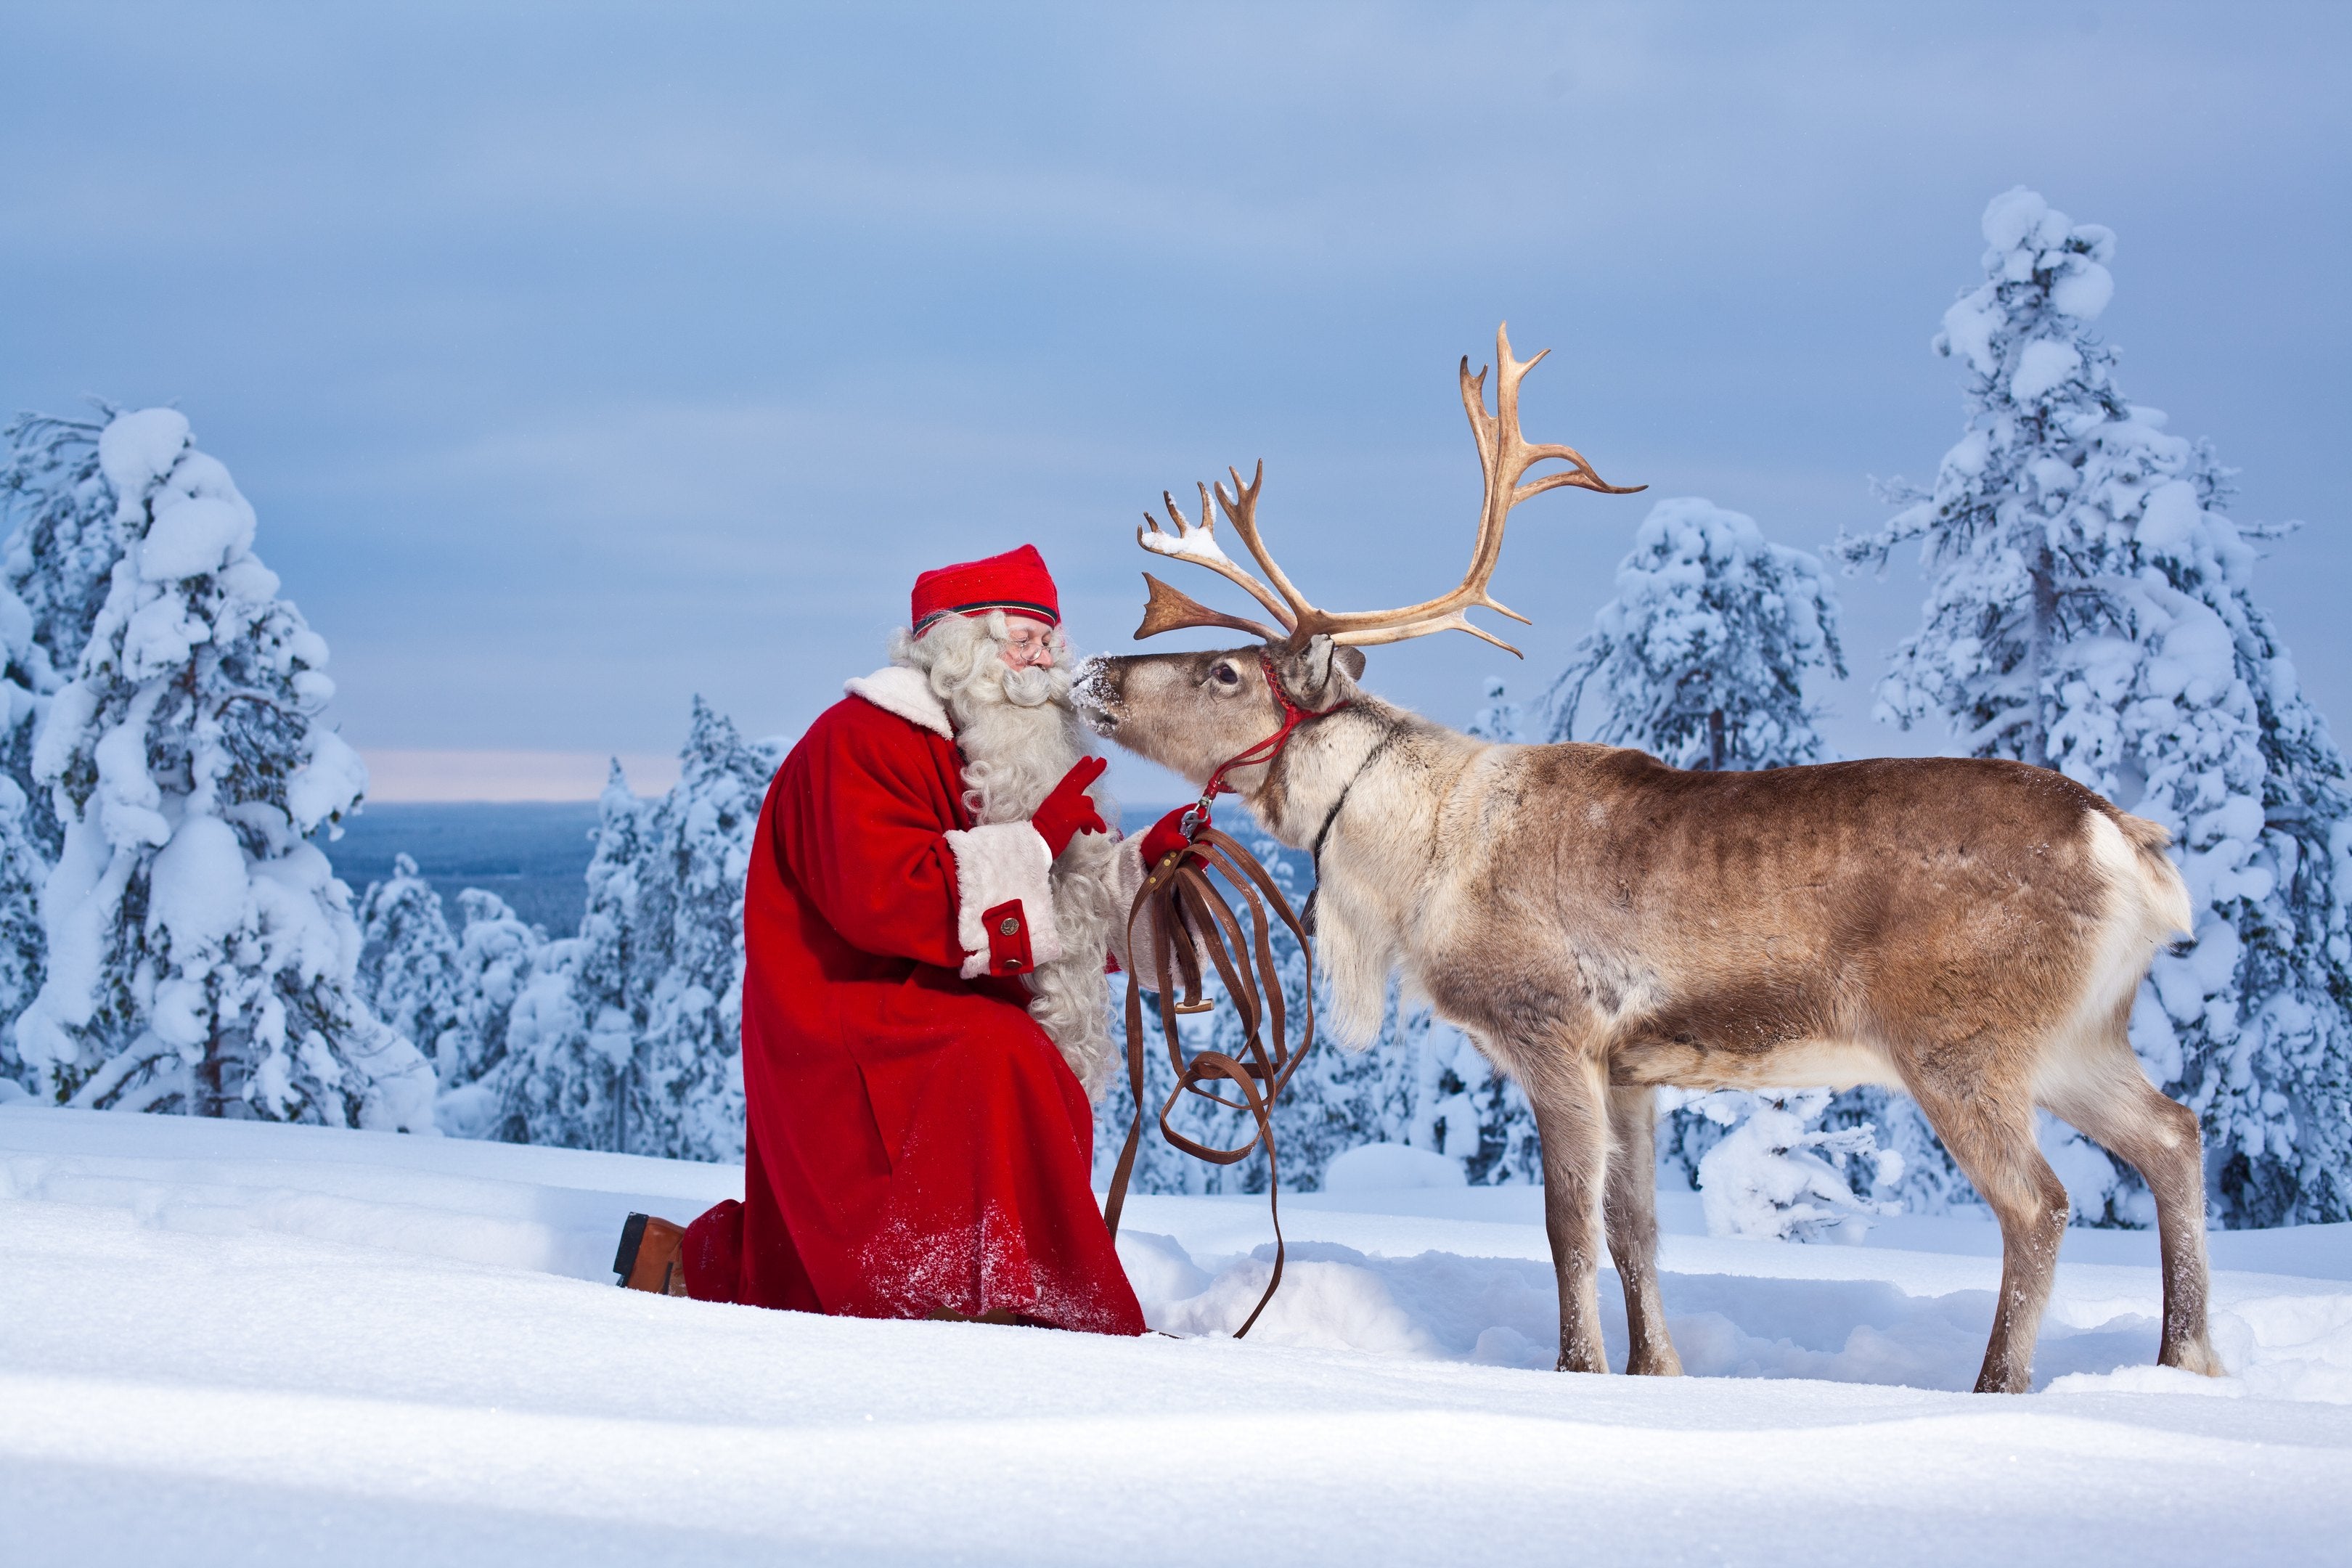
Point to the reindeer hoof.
(2193, 1355)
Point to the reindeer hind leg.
(1988, 1130)
(2111, 1101)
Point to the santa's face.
(1005, 682)
(1028, 643)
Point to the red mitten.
(1070, 811)
(1167, 835)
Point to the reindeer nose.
(1094, 691)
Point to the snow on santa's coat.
(915, 1140)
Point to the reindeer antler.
(1197, 542)
(1502, 453)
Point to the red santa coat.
(915, 1140)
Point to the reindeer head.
(1191, 711)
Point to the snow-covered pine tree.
(201, 951)
(1501, 719)
(22, 945)
(569, 1091)
(63, 543)
(1775, 1176)
(498, 959)
(1700, 659)
(685, 1084)
(2091, 609)
(645, 1054)
(408, 972)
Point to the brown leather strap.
(1182, 899)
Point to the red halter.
(1264, 751)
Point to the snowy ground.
(240, 1343)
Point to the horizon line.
(502, 776)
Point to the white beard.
(1020, 732)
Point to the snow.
(1969, 328)
(252, 1343)
(197, 887)
(2013, 218)
(1390, 1167)
(328, 782)
(138, 449)
(194, 535)
(1769, 1176)
(2082, 291)
(2043, 368)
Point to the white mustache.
(1029, 687)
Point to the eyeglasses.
(1025, 644)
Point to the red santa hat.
(1015, 581)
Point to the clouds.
(650, 350)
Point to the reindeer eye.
(1228, 676)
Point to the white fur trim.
(895, 689)
(1126, 879)
(995, 865)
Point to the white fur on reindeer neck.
(1020, 734)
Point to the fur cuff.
(1127, 880)
(1003, 863)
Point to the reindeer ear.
(1312, 667)
(1308, 673)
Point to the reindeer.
(1971, 932)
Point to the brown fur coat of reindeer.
(1969, 931)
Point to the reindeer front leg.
(1632, 1225)
(1571, 1103)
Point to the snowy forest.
(172, 939)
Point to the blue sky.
(580, 357)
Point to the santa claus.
(936, 891)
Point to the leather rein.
(1179, 898)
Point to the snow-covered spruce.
(1775, 1176)
(514, 993)
(201, 951)
(63, 543)
(408, 972)
(685, 1083)
(569, 1090)
(1701, 660)
(22, 946)
(648, 1058)
(2091, 609)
